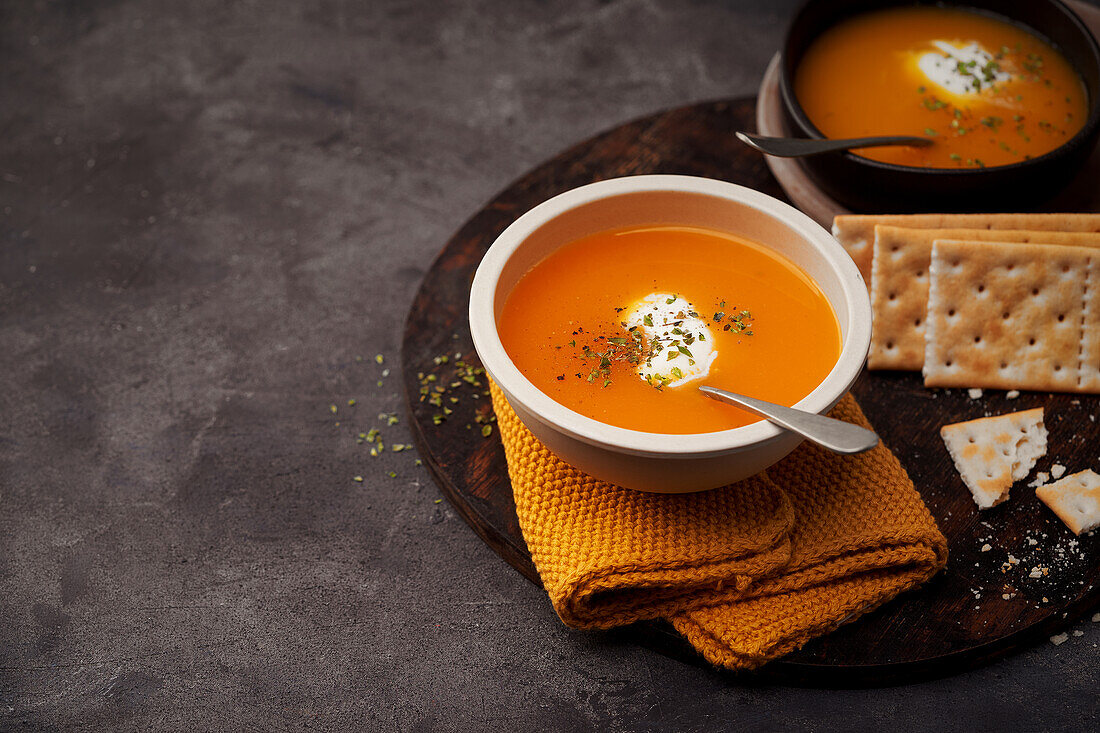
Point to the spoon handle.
(797, 147)
(828, 432)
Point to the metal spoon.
(836, 435)
(796, 147)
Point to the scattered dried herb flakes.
(373, 436)
(636, 349)
(442, 390)
(433, 389)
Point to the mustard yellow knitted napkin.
(747, 572)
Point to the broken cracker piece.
(1040, 478)
(1013, 316)
(991, 453)
(1075, 499)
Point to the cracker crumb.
(986, 547)
(1012, 394)
(975, 393)
(1012, 560)
(1032, 541)
(1040, 478)
(1058, 639)
(1035, 573)
(1096, 618)
(1057, 470)
(1078, 632)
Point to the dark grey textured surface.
(208, 211)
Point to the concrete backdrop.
(208, 210)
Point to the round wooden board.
(970, 613)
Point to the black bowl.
(868, 185)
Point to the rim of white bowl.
(510, 379)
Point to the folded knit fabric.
(747, 572)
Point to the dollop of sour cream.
(687, 348)
(961, 70)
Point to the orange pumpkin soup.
(987, 92)
(623, 326)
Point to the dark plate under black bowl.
(871, 186)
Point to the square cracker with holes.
(899, 284)
(1075, 499)
(993, 452)
(856, 232)
(1013, 316)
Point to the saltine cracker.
(900, 282)
(1013, 316)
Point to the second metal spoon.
(836, 435)
(797, 147)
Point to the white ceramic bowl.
(655, 461)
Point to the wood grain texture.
(962, 618)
